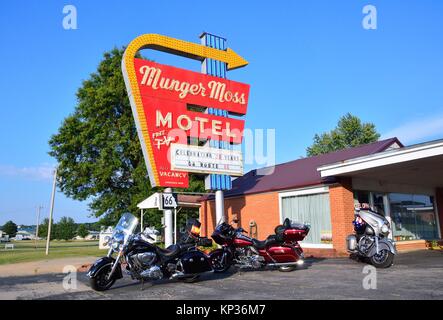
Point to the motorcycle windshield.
(126, 225)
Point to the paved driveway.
(415, 275)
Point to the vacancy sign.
(168, 105)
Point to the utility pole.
(48, 238)
(38, 222)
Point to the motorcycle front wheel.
(217, 262)
(384, 259)
(101, 282)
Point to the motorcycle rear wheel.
(100, 281)
(384, 259)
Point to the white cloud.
(418, 130)
(42, 172)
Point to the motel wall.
(264, 209)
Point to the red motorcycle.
(280, 250)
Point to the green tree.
(82, 231)
(98, 150)
(43, 229)
(65, 229)
(10, 228)
(349, 132)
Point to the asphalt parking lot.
(415, 275)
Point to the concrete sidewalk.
(44, 266)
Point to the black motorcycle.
(146, 261)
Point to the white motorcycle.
(371, 239)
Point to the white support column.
(167, 214)
(141, 220)
(219, 207)
(387, 207)
(175, 226)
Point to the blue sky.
(309, 63)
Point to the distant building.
(24, 235)
(92, 235)
(4, 237)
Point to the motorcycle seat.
(259, 244)
(265, 243)
(170, 251)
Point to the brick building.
(403, 183)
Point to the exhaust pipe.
(287, 264)
(181, 275)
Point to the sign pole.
(175, 225)
(219, 206)
(141, 220)
(167, 214)
(48, 238)
(216, 68)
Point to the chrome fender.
(383, 244)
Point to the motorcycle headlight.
(118, 237)
(385, 228)
(117, 241)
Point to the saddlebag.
(294, 234)
(351, 242)
(195, 262)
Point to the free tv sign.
(169, 103)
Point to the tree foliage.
(98, 150)
(65, 229)
(10, 228)
(43, 229)
(82, 231)
(349, 132)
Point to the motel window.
(312, 209)
(413, 217)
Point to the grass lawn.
(25, 250)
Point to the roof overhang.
(418, 164)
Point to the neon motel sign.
(168, 105)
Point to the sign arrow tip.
(235, 60)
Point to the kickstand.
(142, 282)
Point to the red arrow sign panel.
(166, 93)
